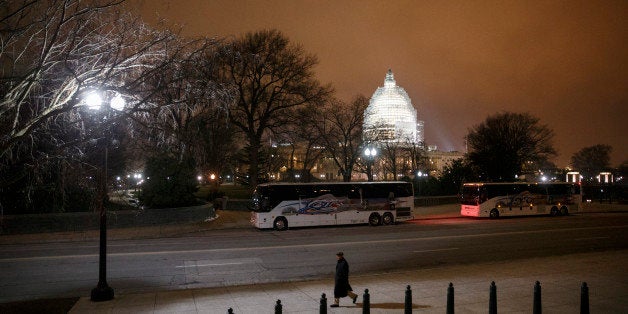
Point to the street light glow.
(370, 152)
(93, 100)
(117, 103)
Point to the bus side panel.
(404, 208)
(309, 212)
(350, 217)
(261, 220)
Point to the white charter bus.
(517, 199)
(283, 205)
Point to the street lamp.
(370, 154)
(103, 292)
(419, 176)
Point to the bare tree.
(311, 139)
(193, 118)
(501, 145)
(342, 128)
(415, 153)
(591, 160)
(392, 156)
(53, 54)
(305, 140)
(271, 76)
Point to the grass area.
(231, 191)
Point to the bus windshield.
(470, 195)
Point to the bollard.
(323, 307)
(278, 307)
(536, 308)
(408, 308)
(450, 299)
(584, 299)
(230, 311)
(366, 302)
(492, 299)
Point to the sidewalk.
(560, 277)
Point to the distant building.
(438, 160)
(391, 128)
(390, 115)
(391, 118)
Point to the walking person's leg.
(336, 302)
(353, 296)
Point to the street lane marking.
(203, 265)
(592, 238)
(437, 250)
(300, 246)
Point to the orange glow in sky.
(565, 62)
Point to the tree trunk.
(254, 162)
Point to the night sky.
(460, 61)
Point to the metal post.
(323, 307)
(366, 302)
(278, 307)
(103, 292)
(492, 300)
(536, 308)
(370, 159)
(408, 306)
(584, 299)
(450, 299)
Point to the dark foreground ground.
(51, 306)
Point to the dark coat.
(342, 286)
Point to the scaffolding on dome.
(391, 117)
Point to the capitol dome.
(390, 116)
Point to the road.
(243, 256)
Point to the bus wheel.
(494, 213)
(280, 224)
(554, 211)
(564, 211)
(388, 219)
(375, 219)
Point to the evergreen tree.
(169, 182)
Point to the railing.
(492, 303)
(435, 200)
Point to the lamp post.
(370, 154)
(103, 292)
(419, 176)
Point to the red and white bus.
(283, 205)
(517, 199)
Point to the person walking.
(342, 288)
